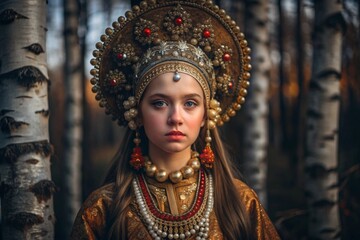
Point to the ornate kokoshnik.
(198, 37)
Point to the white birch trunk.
(73, 115)
(256, 107)
(26, 186)
(321, 179)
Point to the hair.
(232, 218)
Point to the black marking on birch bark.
(261, 59)
(5, 111)
(24, 220)
(35, 48)
(14, 136)
(336, 21)
(8, 124)
(329, 137)
(32, 161)
(324, 203)
(11, 152)
(314, 114)
(328, 73)
(316, 171)
(334, 186)
(261, 23)
(44, 112)
(328, 230)
(43, 190)
(9, 15)
(23, 97)
(255, 135)
(335, 98)
(315, 86)
(254, 104)
(30, 76)
(252, 171)
(27, 76)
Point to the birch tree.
(321, 176)
(256, 107)
(73, 114)
(25, 150)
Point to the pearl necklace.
(161, 175)
(164, 225)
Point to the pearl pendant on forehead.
(176, 77)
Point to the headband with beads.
(195, 37)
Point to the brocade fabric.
(91, 221)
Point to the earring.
(207, 157)
(137, 160)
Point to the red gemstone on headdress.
(112, 82)
(230, 85)
(206, 33)
(178, 21)
(120, 56)
(226, 57)
(147, 32)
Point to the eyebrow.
(191, 95)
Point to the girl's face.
(172, 113)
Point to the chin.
(176, 148)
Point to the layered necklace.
(165, 225)
(192, 166)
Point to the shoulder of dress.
(245, 192)
(102, 195)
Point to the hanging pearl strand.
(199, 226)
(161, 175)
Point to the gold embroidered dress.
(91, 222)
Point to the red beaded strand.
(167, 216)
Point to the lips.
(175, 133)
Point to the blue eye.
(190, 104)
(159, 104)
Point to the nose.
(175, 117)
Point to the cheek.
(151, 119)
(198, 120)
(150, 123)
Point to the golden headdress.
(194, 37)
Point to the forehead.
(164, 83)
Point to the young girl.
(172, 72)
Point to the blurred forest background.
(291, 30)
